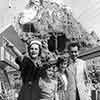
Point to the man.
(76, 74)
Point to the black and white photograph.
(49, 50)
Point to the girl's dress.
(48, 89)
(62, 86)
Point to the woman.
(62, 79)
(30, 70)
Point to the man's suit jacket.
(77, 77)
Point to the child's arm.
(56, 94)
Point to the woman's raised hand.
(7, 43)
(11, 46)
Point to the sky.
(87, 12)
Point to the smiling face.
(34, 51)
(50, 72)
(63, 66)
(74, 52)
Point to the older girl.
(62, 78)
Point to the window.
(58, 44)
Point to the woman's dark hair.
(73, 44)
(28, 48)
(60, 61)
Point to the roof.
(10, 33)
(90, 53)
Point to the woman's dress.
(30, 74)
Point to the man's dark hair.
(73, 44)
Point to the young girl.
(47, 84)
(62, 78)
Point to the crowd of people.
(52, 79)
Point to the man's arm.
(86, 74)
